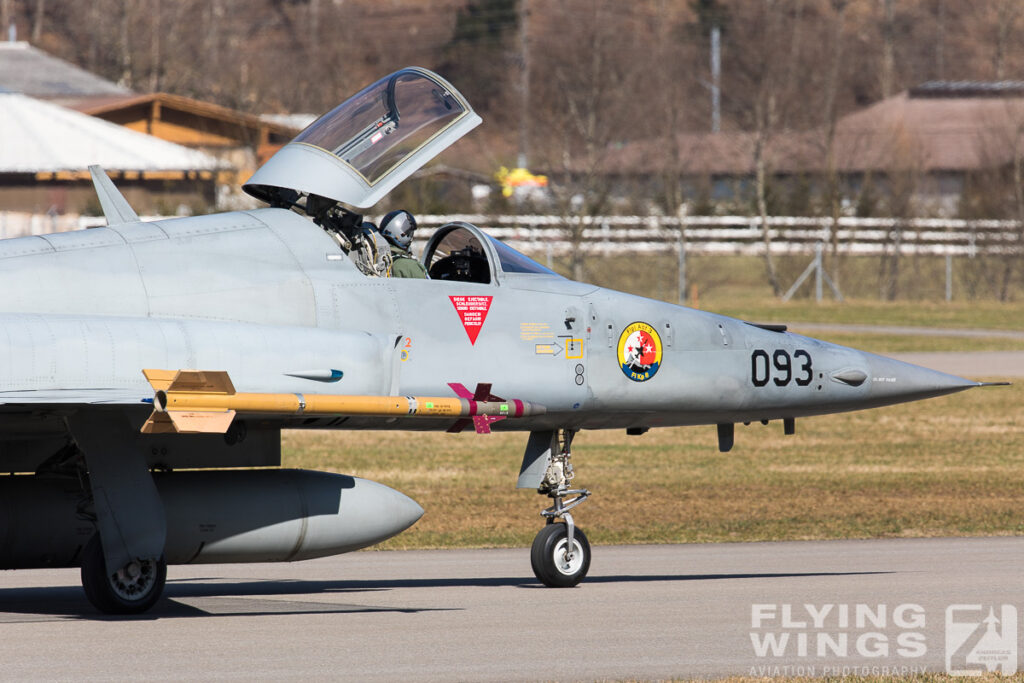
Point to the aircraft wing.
(66, 397)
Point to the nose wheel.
(560, 555)
(560, 561)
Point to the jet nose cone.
(893, 381)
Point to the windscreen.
(383, 124)
(514, 262)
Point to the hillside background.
(599, 72)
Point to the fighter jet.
(148, 368)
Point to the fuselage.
(266, 295)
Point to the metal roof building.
(937, 136)
(33, 72)
(39, 137)
(45, 151)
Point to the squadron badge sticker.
(639, 352)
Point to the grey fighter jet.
(148, 368)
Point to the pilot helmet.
(397, 228)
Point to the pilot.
(397, 228)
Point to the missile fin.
(196, 381)
(201, 422)
(459, 425)
(202, 381)
(188, 422)
(159, 379)
(159, 423)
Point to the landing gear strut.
(561, 553)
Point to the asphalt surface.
(644, 612)
(970, 364)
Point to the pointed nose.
(893, 381)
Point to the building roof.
(184, 120)
(33, 72)
(939, 131)
(725, 153)
(968, 89)
(37, 136)
(296, 121)
(960, 126)
(100, 106)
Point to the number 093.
(781, 368)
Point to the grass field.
(897, 343)
(738, 284)
(948, 466)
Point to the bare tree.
(887, 77)
(590, 103)
(1007, 13)
(756, 63)
(5, 17)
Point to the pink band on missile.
(519, 407)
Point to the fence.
(550, 236)
(547, 236)
(699, 234)
(743, 234)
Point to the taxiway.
(644, 612)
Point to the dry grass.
(734, 284)
(949, 466)
(896, 343)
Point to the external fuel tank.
(212, 517)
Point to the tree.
(594, 64)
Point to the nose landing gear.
(560, 555)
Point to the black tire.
(130, 590)
(548, 556)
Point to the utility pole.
(716, 77)
(524, 83)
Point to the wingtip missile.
(194, 401)
(482, 396)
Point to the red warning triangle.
(472, 312)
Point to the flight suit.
(404, 264)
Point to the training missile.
(205, 402)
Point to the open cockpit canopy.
(363, 148)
